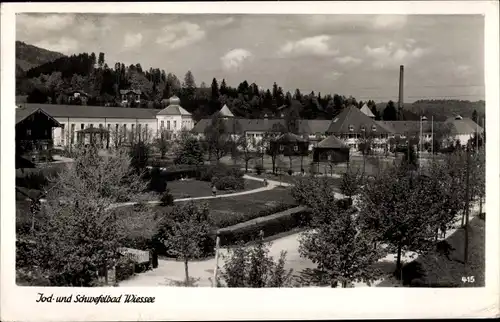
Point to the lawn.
(435, 269)
(196, 188)
(245, 207)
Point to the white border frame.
(18, 303)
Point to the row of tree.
(52, 82)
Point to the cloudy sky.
(355, 55)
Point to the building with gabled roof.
(124, 124)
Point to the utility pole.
(466, 227)
(217, 245)
(432, 137)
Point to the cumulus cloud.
(389, 21)
(348, 60)
(311, 46)
(45, 22)
(392, 53)
(63, 45)
(220, 22)
(180, 35)
(132, 40)
(235, 58)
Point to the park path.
(271, 184)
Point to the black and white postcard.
(263, 160)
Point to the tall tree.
(101, 61)
(223, 87)
(474, 116)
(390, 112)
(78, 219)
(189, 84)
(189, 152)
(184, 231)
(215, 89)
(218, 137)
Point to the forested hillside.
(52, 82)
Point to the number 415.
(468, 279)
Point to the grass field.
(196, 188)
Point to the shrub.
(167, 199)
(219, 170)
(228, 183)
(482, 216)
(158, 180)
(290, 172)
(237, 218)
(125, 268)
(259, 168)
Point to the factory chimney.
(401, 87)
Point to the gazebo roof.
(290, 138)
(331, 142)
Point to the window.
(351, 128)
(28, 132)
(363, 128)
(175, 125)
(133, 126)
(374, 128)
(100, 126)
(168, 125)
(162, 124)
(282, 147)
(82, 126)
(62, 133)
(116, 128)
(295, 148)
(109, 127)
(91, 126)
(138, 97)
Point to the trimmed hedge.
(271, 225)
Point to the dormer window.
(374, 128)
(363, 128)
(351, 128)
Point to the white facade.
(124, 130)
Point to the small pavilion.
(92, 135)
(331, 150)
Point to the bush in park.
(139, 154)
(167, 199)
(259, 168)
(158, 180)
(228, 183)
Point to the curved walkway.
(271, 185)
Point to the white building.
(124, 124)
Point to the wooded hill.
(48, 77)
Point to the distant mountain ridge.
(29, 56)
(440, 109)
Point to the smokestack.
(401, 86)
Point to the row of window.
(185, 124)
(363, 128)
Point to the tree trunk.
(344, 284)
(437, 233)
(246, 165)
(186, 271)
(290, 157)
(364, 162)
(398, 263)
(480, 205)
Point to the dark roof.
(264, 125)
(463, 125)
(405, 127)
(352, 116)
(80, 111)
(174, 110)
(126, 91)
(23, 112)
(289, 138)
(331, 142)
